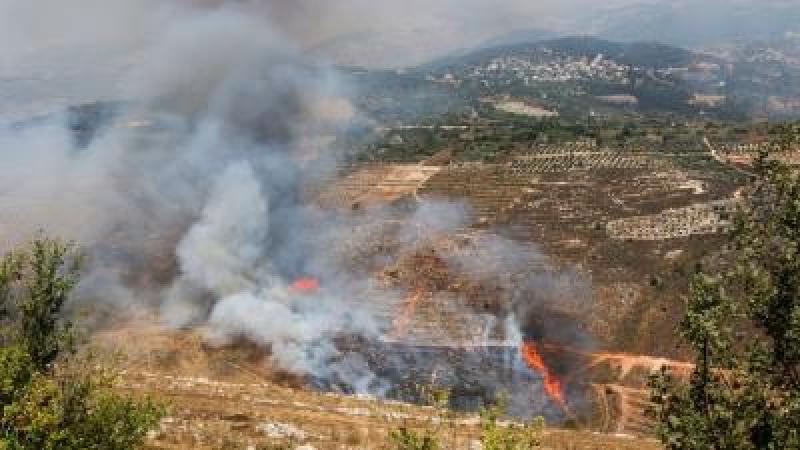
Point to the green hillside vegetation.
(50, 396)
(644, 54)
(743, 323)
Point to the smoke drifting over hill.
(406, 32)
(190, 202)
(379, 33)
(193, 199)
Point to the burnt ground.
(225, 399)
(230, 399)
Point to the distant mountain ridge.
(520, 36)
(692, 23)
(641, 54)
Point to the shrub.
(51, 398)
(513, 437)
(407, 439)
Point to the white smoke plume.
(223, 252)
(190, 200)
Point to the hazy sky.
(443, 23)
(24, 23)
(74, 49)
(400, 32)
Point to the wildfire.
(552, 384)
(306, 285)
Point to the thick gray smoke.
(97, 40)
(191, 200)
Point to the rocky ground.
(230, 399)
(209, 414)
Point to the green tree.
(494, 436)
(50, 397)
(743, 323)
(34, 286)
(785, 136)
(408, 439)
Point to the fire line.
(306, 285)
(552, 384)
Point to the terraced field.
(594, 212)
(557, 212)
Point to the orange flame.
(403, 323)
(552, 384)
(306, 285)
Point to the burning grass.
(223, 397)
(553, 385)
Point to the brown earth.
(230, 399)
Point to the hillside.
(223, 398)
(643, 54)
(577, 75)
(399, 225)
(696, 22)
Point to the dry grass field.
(230, 399)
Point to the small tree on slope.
(49, 397)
